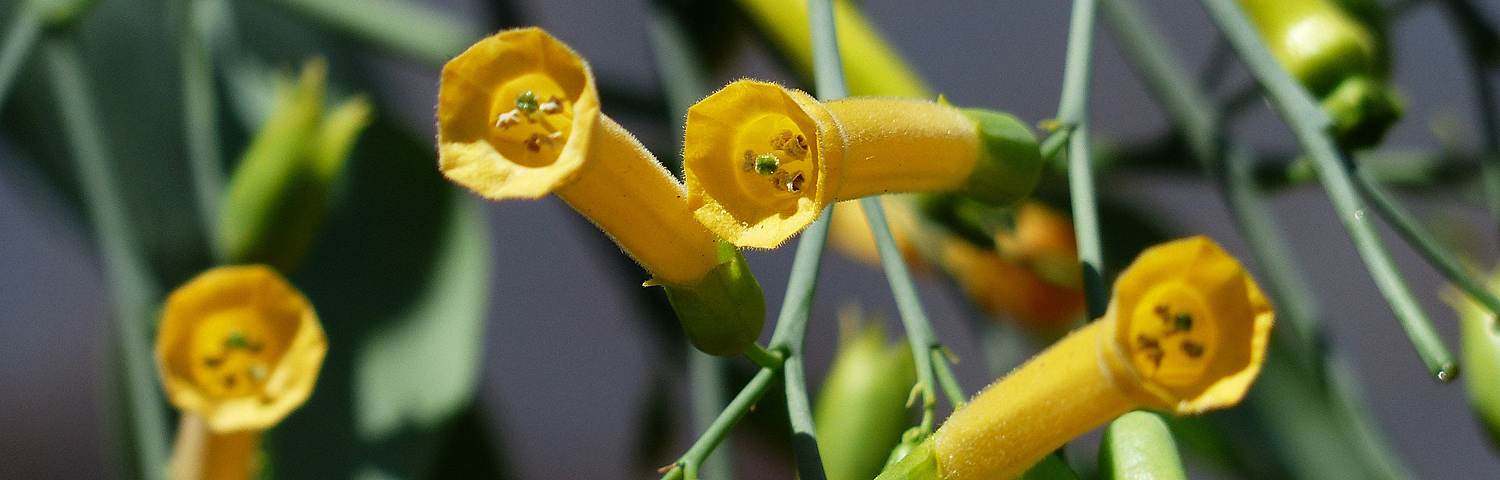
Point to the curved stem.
(1073, 110)
(1475, 32)
(131, 282)
(1424, 241)
(1311, 126)
(200, 111)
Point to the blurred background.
(570, 367)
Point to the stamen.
(535, 142)
(526, 102)
(749, 164)
(795, 184)
(1192, 349)
(791, 143)
(552, 106)
(508, 119)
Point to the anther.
(552, 106)
(795, 184)
(749, 164)
(791, 143)
(508, 119)
(526, 102)
(1192, 349)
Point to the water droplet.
(1359, 214)
(1447, 373)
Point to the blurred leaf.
(400, 278)
(1051, 468)
(468, 448)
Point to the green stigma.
(766, 164)
(527, 102)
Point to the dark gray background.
(565, 361)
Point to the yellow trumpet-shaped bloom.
(238, 349)
(518, 117)
(762, 161)
(1186, 332)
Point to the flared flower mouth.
(1191, 325)
(239, 347)
(516, 115)
(761, 162)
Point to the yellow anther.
(792, 143)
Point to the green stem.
(1192, 112)
(684, 78)
(1073, 109)
(20, 36)
(1055, 142)
(1475, 32)
(411, 29)
(1424, 241)
(196, 22)
(687, 466)
(919, 332)
(132, 284)
(706, 372)
(1311, 126)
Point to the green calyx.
(918, 464)
(274, 204)
(1010, 162)
(1363, 109)
(724, 312)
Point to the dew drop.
(1447, 373)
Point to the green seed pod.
(724, 312)
(274, 204)
(1480, 342)
(861, 411)
(1011, 164)
(1139, 445)
(1337, 49)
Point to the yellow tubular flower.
(762, 161)
(238, 349)
(518, 117)
(870, 64)
(1186, 332)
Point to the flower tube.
(761, 161)
(238, 349)
(518, 117)
(1186, 332)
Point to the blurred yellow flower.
(238, 349)
(762, 161)
(1031, 275)
(1186, 332)
(518, 117)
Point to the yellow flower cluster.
(1185, 332)
(238, 349)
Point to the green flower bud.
(1363, 109)
(1011, 162)
(724, 312)
(1139, 445)
(1480, 342)
(275, 200)
(861, 411)
(1337, 49)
